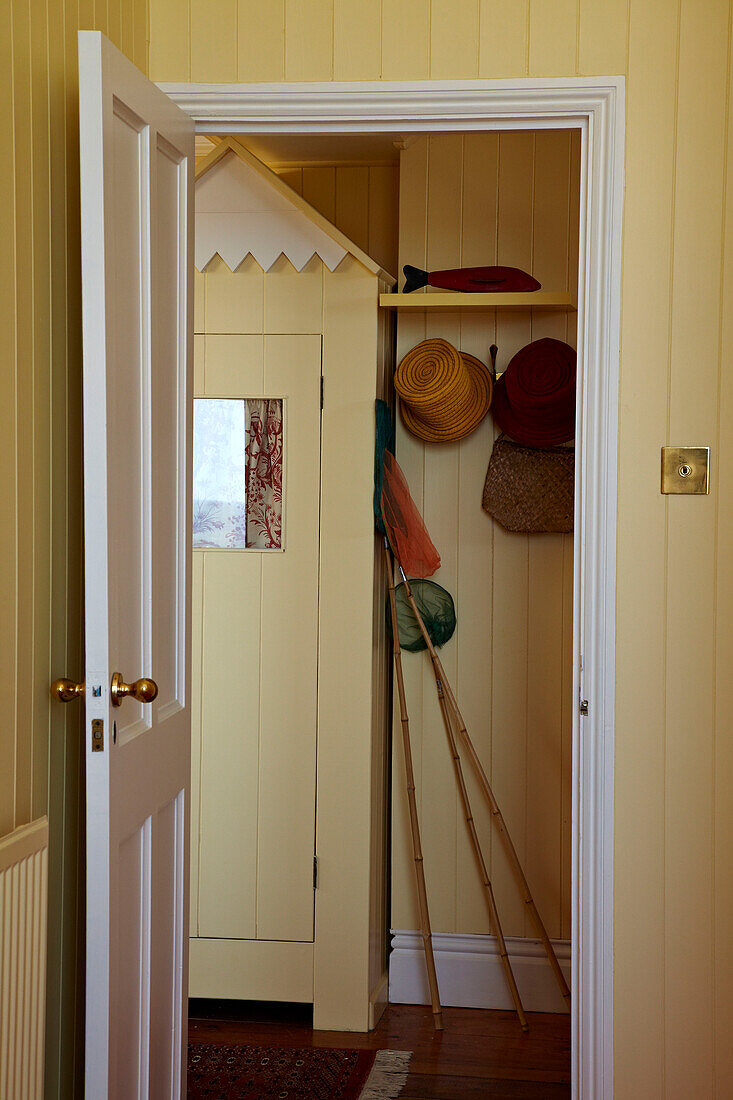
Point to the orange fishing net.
(406, 531)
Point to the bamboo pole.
(493, 911)
(493, 804)
(422, 894)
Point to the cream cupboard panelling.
(289, 655)
(234, 301)
(253, 777)
(294, 300)
(478, 199)
(40, 458)
(197, 628)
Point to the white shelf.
(455, 301)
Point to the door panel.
(136, 191)
(258, 673)
(289, 657)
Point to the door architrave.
(596, 107)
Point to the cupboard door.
(258, 670)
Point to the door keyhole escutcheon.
(144, 690)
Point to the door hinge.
(584, 708)
(315, 872)
(321, 392)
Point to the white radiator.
(23, 906)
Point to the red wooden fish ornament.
(471, 280)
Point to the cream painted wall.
(40, 460)
(674, 751)
(472, 199)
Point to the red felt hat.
(534, 400)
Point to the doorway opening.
(447, 155)
(595, 106)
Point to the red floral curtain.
(264, 474)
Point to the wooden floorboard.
(480, 1055)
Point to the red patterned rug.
(218, 1071)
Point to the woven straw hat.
(444, 393)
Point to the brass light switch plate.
(686, 470)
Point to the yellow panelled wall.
(674, 750)
(471, 199)
(40, 458)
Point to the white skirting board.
(470, 973)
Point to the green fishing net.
(436, 608)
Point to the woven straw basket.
(530, 489)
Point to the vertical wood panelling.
(489, 197)
(642, 548)
(40, 149)
(357, 40)
(510, 635)
(413, 243)
(723, 746)
(170, 40)
(234, 302)
(603, 36)
(454, 39)
(229, 761)
(352, 204)
(319, 189)
(361, 200)
(24, 401)
(8, 422)
(287, 720)
(553, 37)
(383, 209)
(261, 42)
(197, 626)
(504, 38)
(213, 54)
(23, 912)
(309, 39)
(694, 372)
(405, 40)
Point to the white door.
(137, 153)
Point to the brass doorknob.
(144, 690)
(65, 690)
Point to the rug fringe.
(388, 1076)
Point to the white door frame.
(595, 106)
